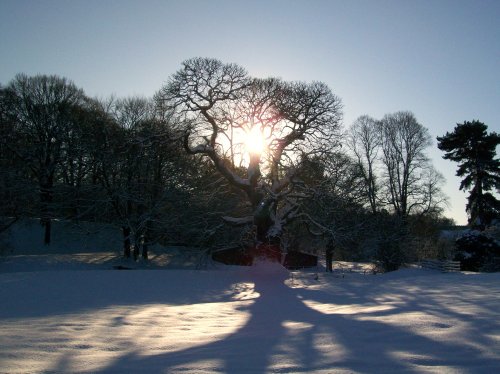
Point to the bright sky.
(439, 59)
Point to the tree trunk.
(137, 245)
(480, 203)
(48, 231)
(329, 256)
(268, 245)
(136, 251)
(145, 242)
(145, 249)
(45, 200)
(126, 241)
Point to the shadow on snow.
(323, 341)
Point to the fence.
(442, 265)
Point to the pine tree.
(474, 149)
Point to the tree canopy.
(219, 106)
(474, 149)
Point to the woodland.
(218, 159)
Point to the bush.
(477, 252)
(389, 255)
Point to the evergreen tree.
(474, 149)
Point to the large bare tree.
(404, 141)
(221, 107)
(364, 141)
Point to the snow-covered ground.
(67, 316)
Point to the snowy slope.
(78, 246)
(26, 238)
(248, 320)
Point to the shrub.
(389, 255)
(477, 252)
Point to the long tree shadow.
(284, 334)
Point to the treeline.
(67, 156)
(132, 162)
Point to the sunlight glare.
(254, 141)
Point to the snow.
(83, 317)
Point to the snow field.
(248, 320)
(64, 310)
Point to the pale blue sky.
(438, 58)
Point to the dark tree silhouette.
(474, 149)
(42, 111)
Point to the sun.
(254, 141)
